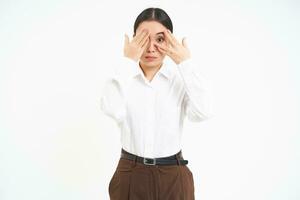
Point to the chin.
(153, 64)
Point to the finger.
(169, 40)
(140, 36)
(145, 43)
(166, 49)
(173, 37)
(137, 35)
(162, 49)
(184, 43)
(126, 41)
(170, 37)
(146, 37)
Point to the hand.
(136, 47)
(176, 51)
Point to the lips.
(150, 57)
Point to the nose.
(151, 47)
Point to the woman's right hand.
(136, 47)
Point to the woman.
(149, 100)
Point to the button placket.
(149, 148)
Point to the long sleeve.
(197, 101)
(125, 68)
(112, 100)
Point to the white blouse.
(150, 114)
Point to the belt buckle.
(153, 161)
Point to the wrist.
(182, 59)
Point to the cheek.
(161, 55)
(164, 45)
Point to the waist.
(179, 154)
(168, 160)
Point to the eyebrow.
(160, 33)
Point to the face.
(156, 37)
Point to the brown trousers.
(135, 181)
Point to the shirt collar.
(164, 70)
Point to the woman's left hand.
(176, 51)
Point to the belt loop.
(121, 152)
(135, 159)
(134, 162)
(177, 158)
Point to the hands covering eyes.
(178, 52)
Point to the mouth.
(150, 58)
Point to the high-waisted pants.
(136, 181)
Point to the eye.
(160, 39)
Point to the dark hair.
(153, 14)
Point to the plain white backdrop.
(56, 144)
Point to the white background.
(55, 143)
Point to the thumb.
(184, 43)
(126, 41)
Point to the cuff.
(186, 66)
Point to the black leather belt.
(170, 160)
